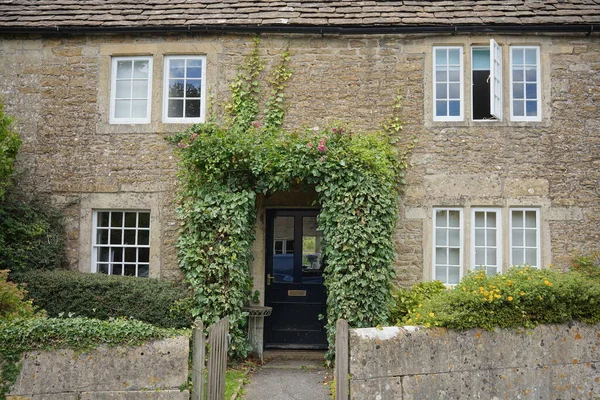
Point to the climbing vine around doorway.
(225, 165)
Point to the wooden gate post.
(217, 359)
(198, 361)
(341, 359)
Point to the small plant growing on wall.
(224, 166)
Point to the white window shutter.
(495, 79)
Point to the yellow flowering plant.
(522, 297)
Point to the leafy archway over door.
(224, 166)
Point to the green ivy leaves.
(223, 167)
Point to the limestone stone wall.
(154, 371)
(548, 362)
(57, 87)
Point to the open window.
(486, 81)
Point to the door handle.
(269, 279)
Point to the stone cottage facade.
(502, 95)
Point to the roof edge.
(338, 30)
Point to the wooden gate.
(217, 360)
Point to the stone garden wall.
(153, 371)
(405, 363)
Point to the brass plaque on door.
(297, 293)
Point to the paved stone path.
(289, 379)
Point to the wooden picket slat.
(198, 361)
(217, 359)
(341, 359)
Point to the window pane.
(140, 89)
(140, 69)
(530, 56)
(122, 108)
(139, 108)
(130, 219)
(177, 68)
(518, 91)
(441, 109)
(454, 257)
(491, 257)
(517, 237)
(116, 236)
(440, 273)
(454, 108)
(192, 88)
(517, 219)
(103, 218)
(453, 74)
(454, 56)
(123, 90)
(441, 256)
(130, 254)
(440, 218)
(479, 219)
(116, 254)
(519, 108)
(531, 108)
(531, 90)
(454, 91)
(440, 57)
(531, 257)
(143, 271)
(530, 219)
(103, 254)
(143, 238)
(194, 68)
(440, 237)
(143, 255)
(129, 236)
(491, 237)
(491, 271)
(454, 220)
(481, 59)
(176, 87)
(453, 275)
(124, 69)
(103, 268)
(441, 75)
(531, 74)
(479, 237)
(144, 220)
(518, 75)
(129, 270)
(102, 236)
(117, 269)
(192, 108)
(517, 255)
(441, 91)
(454, 237)
(479, 257)
(175, 108)
(517, 56)
(530, 238)
(491, 219)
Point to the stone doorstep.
(116, 395)
(305, 355)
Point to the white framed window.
(486, 240)
(121, 242)
(283, 246)
(184, 89)
(486, 82)
(525, 237)
(448, 92)
(525, 84)
(130, 90)
(447, 245)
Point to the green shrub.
(9, 146)
(21, 335)
(406, 300)
(103, 296)
(523, 297)
(31, 237)
(588, 265)
(12, 300)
